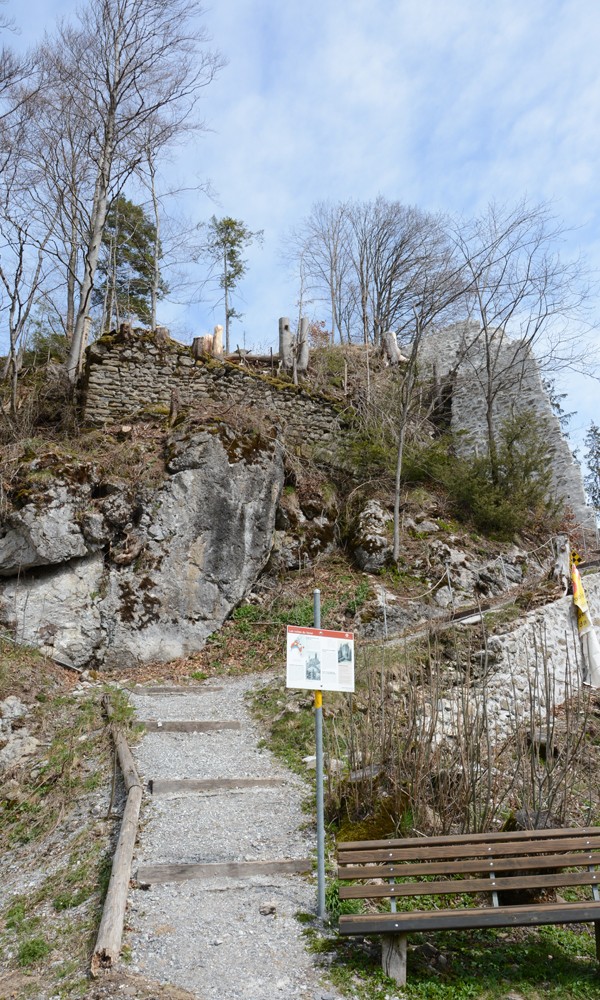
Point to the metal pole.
(320, 808)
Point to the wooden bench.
(485, 868)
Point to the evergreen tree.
(126, 267)
(226, 239)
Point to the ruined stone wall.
(127, 375)
(458, 355)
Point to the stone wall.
(127, 374)
(130, 373)
(457, 356)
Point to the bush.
(501, 498)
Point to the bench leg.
(393, 956)
(597, 930)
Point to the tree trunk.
(71, 283)
(156, 255)
(407, 387)
(399, 460)
(226, 291)
(98, 219)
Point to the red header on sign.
(295, 630)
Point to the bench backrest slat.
(469, 885)
(468, 838)
(509, 864)
(452, 850)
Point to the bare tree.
(59, 147)
(319, 250)
(523, 297)
(25, 267)
(367, 259)
(436, 295)
(390, 246)
(129, 67)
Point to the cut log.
(285, 342)
(202, 346)
(302, 351)
(110, 933)
(217, 343)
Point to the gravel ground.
(209, 936)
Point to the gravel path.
(209, 936)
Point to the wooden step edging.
(188, 726)
(159, 689)
(110, 932)
(148, 875)
(163, 786)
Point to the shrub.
(501, 498)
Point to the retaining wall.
(127, 374)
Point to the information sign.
(320, 660)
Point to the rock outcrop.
(117, 575)
(371, 542)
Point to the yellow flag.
(579, 598)
(590, 644)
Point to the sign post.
(319, 660)
(319, 765)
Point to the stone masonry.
(128, 374)
(457, 358)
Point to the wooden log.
(303, 347)
(202, 346)
(173, 689)
(110, 932)
(217, 343)
(191, 726)
(165, 786)
(285, 342)
(154, 874)
(390, 348)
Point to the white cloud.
(444, 103)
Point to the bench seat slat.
(425, 851)
(402, 870)
(468, 838)
(467, 885)
(463, 919)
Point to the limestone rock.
(306, 527)
(12, 708)
(59, 611)
(18, 748)
(198, 545)
(41, 534)
(370, 543)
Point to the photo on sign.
(313, 668)
(344, 654)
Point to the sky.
(443, 104)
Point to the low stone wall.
(127, 374)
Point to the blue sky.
(445, 104)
